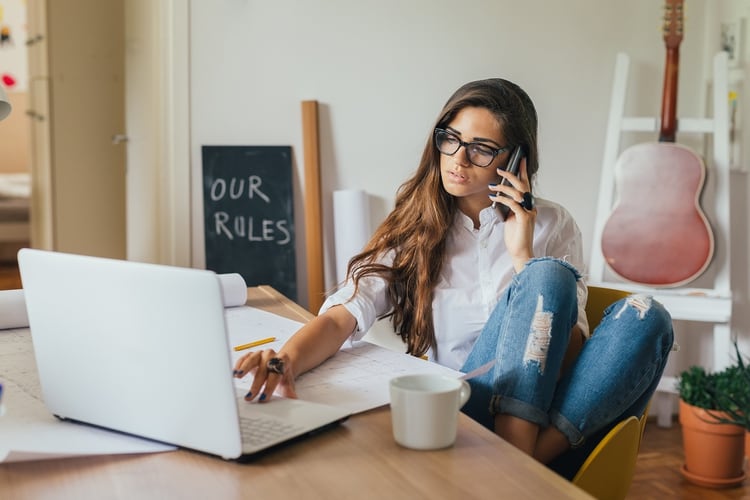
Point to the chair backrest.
(599, 299)
(608, 470)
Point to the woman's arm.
(310, 346)
(319, 339)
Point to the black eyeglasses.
(478, 153)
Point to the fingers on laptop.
(246, 363)
(270, 369)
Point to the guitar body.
(657, 234)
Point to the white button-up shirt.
(477, 270)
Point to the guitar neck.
(668, 128)
(673, 31)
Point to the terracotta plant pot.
(714, 453)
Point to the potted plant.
(733, 397)
(713, 440)
(735, 404)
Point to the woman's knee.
(661, 326)
(645, 320)
(651, 314)
(548, 272)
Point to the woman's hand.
(270, 369)
(312, 344)
(519, 227)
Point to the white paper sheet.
(356, 378)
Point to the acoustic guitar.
(657, 234)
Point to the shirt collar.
(487, 216)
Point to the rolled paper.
(351, 223)
(13, 309)
(234, 289)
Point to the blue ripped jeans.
(614, 376)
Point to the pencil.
(254, 344)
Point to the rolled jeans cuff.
(518, 408)
(570, 431)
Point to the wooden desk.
(358, 459)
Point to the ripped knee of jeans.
(537, 344)
(641, 303)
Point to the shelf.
(688, 304)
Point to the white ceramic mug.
(424, 409)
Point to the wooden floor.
(657, 474)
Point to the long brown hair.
(415, 231)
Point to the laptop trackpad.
(282, 419)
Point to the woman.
(465, 287)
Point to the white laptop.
(143, 349)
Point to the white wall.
(382, 69)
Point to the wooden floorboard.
(657, 474)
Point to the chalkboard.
(249, 214)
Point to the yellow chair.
(599, 299)
(609, 468)
(608, 471)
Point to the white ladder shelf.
(710, 305)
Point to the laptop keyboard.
(259, 431)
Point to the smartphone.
(514, 163)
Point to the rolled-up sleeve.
(369, 303)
